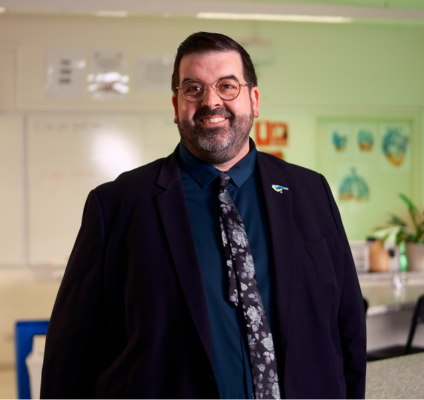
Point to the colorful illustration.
(279, 132)
(394, 145)
(353, 187)
(339, 141)
(365, 139)
(271, 133)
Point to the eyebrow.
(198, 80)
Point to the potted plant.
(412, 234)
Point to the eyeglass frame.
(216, 91)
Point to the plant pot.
(379, 257)
(415, 255)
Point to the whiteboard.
(11, 191)
(70, 154)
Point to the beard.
(216, 145)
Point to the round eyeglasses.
(227, 89)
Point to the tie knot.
(224, 179)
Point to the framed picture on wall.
(395, 147)
(338, 140)
(365, 139)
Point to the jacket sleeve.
(352, 328)
(72, 345)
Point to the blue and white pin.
(279, 188)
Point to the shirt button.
(253, 395)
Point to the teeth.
(213, 120)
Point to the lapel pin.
(279, 188)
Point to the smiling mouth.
(213, 120)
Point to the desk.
(396, 378)
(382, 295)
(390, 310)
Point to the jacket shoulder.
(131, 181)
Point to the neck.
(226, 166)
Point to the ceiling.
(407, 11)
(415, 4)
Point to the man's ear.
(175, 104)
(254, 97)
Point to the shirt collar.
(204, 173)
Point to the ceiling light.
(274, 17)
(112, 13)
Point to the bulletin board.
(70, 154)
(367, 162)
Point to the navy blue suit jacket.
(130, 319)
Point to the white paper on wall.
(65, 72)
(108, 78)
(153, 73)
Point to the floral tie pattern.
(243, 289)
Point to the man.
(216, 272)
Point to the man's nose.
(211, 98)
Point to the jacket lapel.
(279, 207)
(176, 221)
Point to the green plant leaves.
(406, 233)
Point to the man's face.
(215, 130)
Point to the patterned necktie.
(243, 288)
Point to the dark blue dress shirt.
(231, 358)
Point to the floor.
(7, 384)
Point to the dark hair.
(203, 42)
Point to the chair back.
(24, 332)
(417, 318)
(365, 304)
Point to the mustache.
(207, 112)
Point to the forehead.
(211, 66)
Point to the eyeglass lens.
(227, 89)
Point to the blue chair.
(24, 331)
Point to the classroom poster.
(153, 72)
(108, 78)
(65, 72)
(394, 143)
(367, 163)
(271, 136)
(365, 140)
(338, 140)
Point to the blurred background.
(85, 95)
